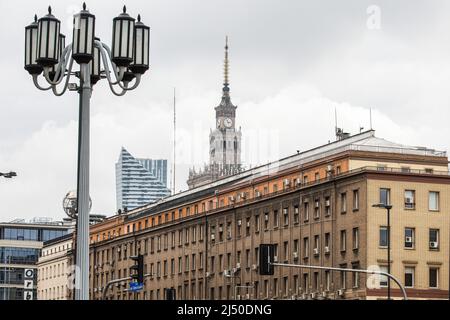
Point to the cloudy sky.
(292, 63)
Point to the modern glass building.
(139, 181)
(20, 245)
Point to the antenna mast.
(174, 139)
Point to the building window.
(383, 278)
(257, 223)
(343, 241)
(383, 237)
(433, 201)
(409, 238)
(385, 196)
(355, 200)
(295, 250)
(229, 230)
(343, 202)
(410, 199)
(286, 216)
(275, 219)
(355, 276)
(266, 221)
(286, 251)
(433, 278)
(316, 209)
(327, 280)
(355, 238)
(220, 232)
(409, 277)
(306, 247)
(327, 242)
(296, 215)
(306, 214)
(316, 245)
(247, 226)
(434, 239)
(306, 282)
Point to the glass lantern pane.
(138, 48)
(33, 48)
(51, 43)
(130, 39)
(116, 39)
(43, 39)
(28, 46)
(82, 47)
(90, 35)
(146, 47)
(124, 44)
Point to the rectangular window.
(383, 241)
(433, 278)
(316, 209)
(275, 219)
(410, 199)
(355, 276)
(343, 240)
(343, 202)
(385, 196)
(306, 209)
(306, 247)
(286, 216)
(257, 223)
(434, 239)
(355, 200)
(355, 238)
(296, 215)
(433, 201)
(409, 277)
(409, 237)
(382, 277)
(266, 221)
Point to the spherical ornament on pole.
(70, 204)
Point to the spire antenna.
(226, 63)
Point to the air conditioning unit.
(340, 292)
(327, 203)
(327, 249)
(239, 222)
(226, 273)
(266, 217)
(248, 224)
(286, 183)
(238, 297)
(408, 239)
(95, 289)
(329, 168)
(242, 195)
(254, 267)
(257, 194)
(304, 296)
(220, 229)
(247, 296)
(434, 245)
(238, 265)
(213, 236)
(207, 274)
(298, 182)
(317, 204)
(275, 258)
(409, 200)
(313, 295)
(316, 251)
(324, 294)
(117, 285)
(295, 255)
(231, 198)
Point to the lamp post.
(128, 60)
(388, 208)
(8, 175)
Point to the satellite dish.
(70, 204)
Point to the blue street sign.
(136, 286)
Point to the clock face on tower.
(228, 122)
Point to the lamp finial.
(124, 9)
(139, 18)
(49, 10)
(35, 18)
(84, 6)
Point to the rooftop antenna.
(174, 139)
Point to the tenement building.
(315, 206)
(54, 269)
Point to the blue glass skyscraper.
(139, 181)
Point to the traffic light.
(266, 258)
(170, 294)
(137, 270)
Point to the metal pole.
(390, 276)
(389, 250)
(82, 250)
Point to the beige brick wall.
(421, 219)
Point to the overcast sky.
(291, 64)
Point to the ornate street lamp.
(46, 54)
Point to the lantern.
(31, 32)
(122, 43)
(140, 62)
(48, 40)
(83, 36)
(62, 45)
(94, 65)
